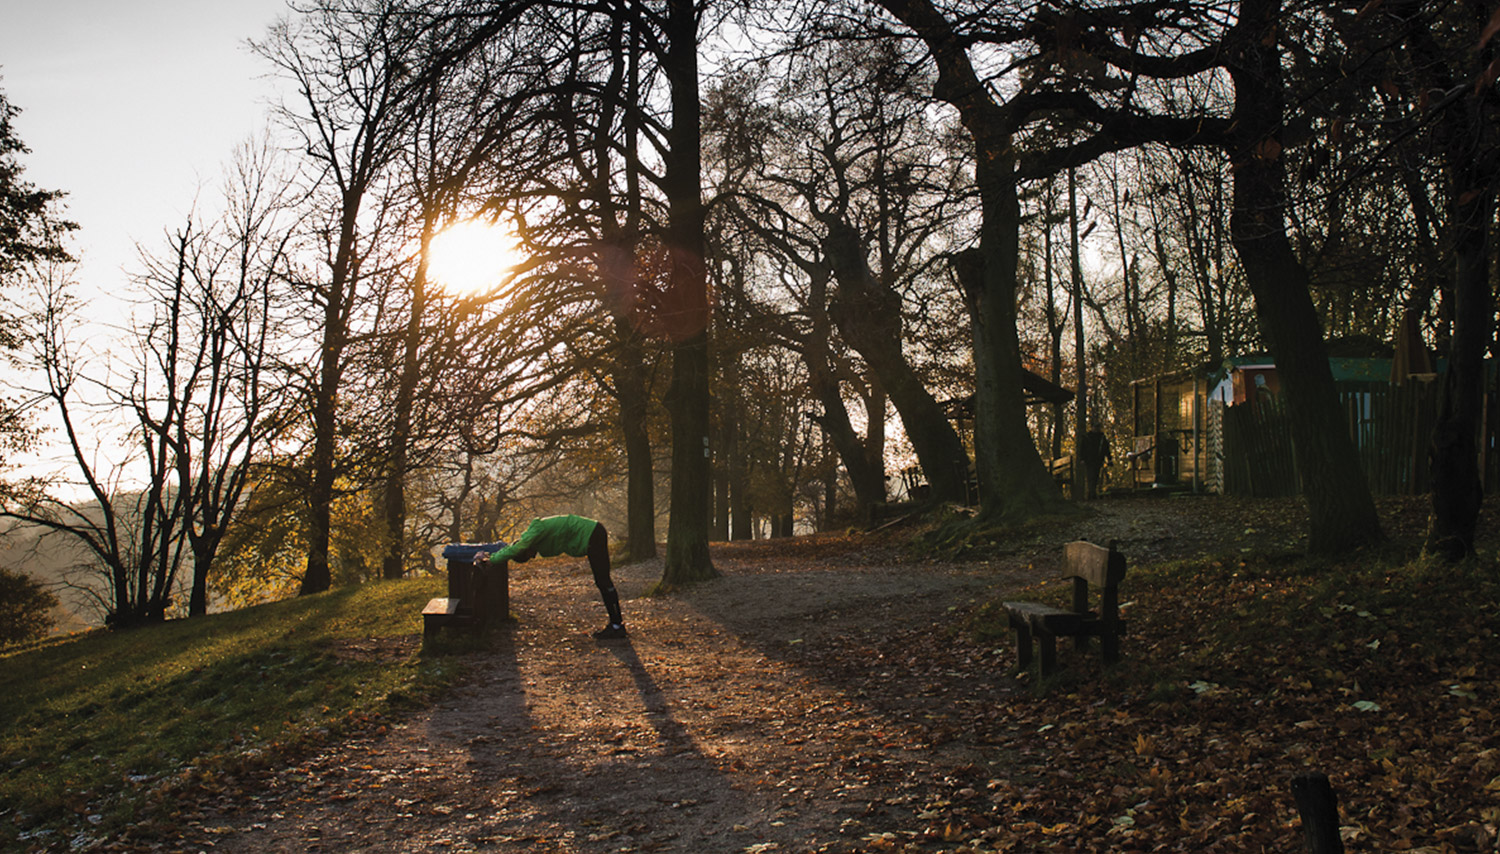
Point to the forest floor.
(832, 693)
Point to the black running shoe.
(610, 632)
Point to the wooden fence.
(1250, 448)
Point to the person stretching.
(575, 536)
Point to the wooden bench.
(442, 611)
(1088, 566)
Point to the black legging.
(598, 555)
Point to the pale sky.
(132, 107)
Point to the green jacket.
(553, 535)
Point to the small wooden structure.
(1168, 444)
(1229, 431)
(1089, 566)
(477, 595)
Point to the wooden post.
(1319, 809)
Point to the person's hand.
(482, 557)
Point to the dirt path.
(805, 701)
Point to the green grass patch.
(96, 728)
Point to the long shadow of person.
(653, 699)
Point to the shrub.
(25, 608)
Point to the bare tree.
(1451, 53)
(132, 522)
(200, 399)
(467, 115)
(348, 64)
(1013, 483)
(222, 296)
(849, 183)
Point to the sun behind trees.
(473, 256)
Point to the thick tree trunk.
(687, 557)
(1457, 490)
(205, 548)
(1341, 510)
(867, 478)
(1013, 482)
(1465, 129)
(318, 575)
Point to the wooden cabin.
(1227, 431)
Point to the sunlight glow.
(472, 256)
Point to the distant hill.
(58, 562)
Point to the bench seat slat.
(444, 611)
(1046, 618)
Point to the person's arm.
(520, 551)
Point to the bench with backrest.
(477, 595)
(1090, 567)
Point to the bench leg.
(1023, 646)
(1111, 644)
(1048, 643)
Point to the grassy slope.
(95, 728)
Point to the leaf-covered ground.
(838, 693)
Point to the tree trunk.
(741, 523)
(393, 564)
(318, 576)
(1457, 489)
(1080, 355)
(1341, 511)
(868, 314)
(1055, 327)
(731, 490)
(721, 490)
(687, 557)
(630, 384)
(867, 479)
(830, 491)
(875, 430)
(1013, 483)
(205, 547)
